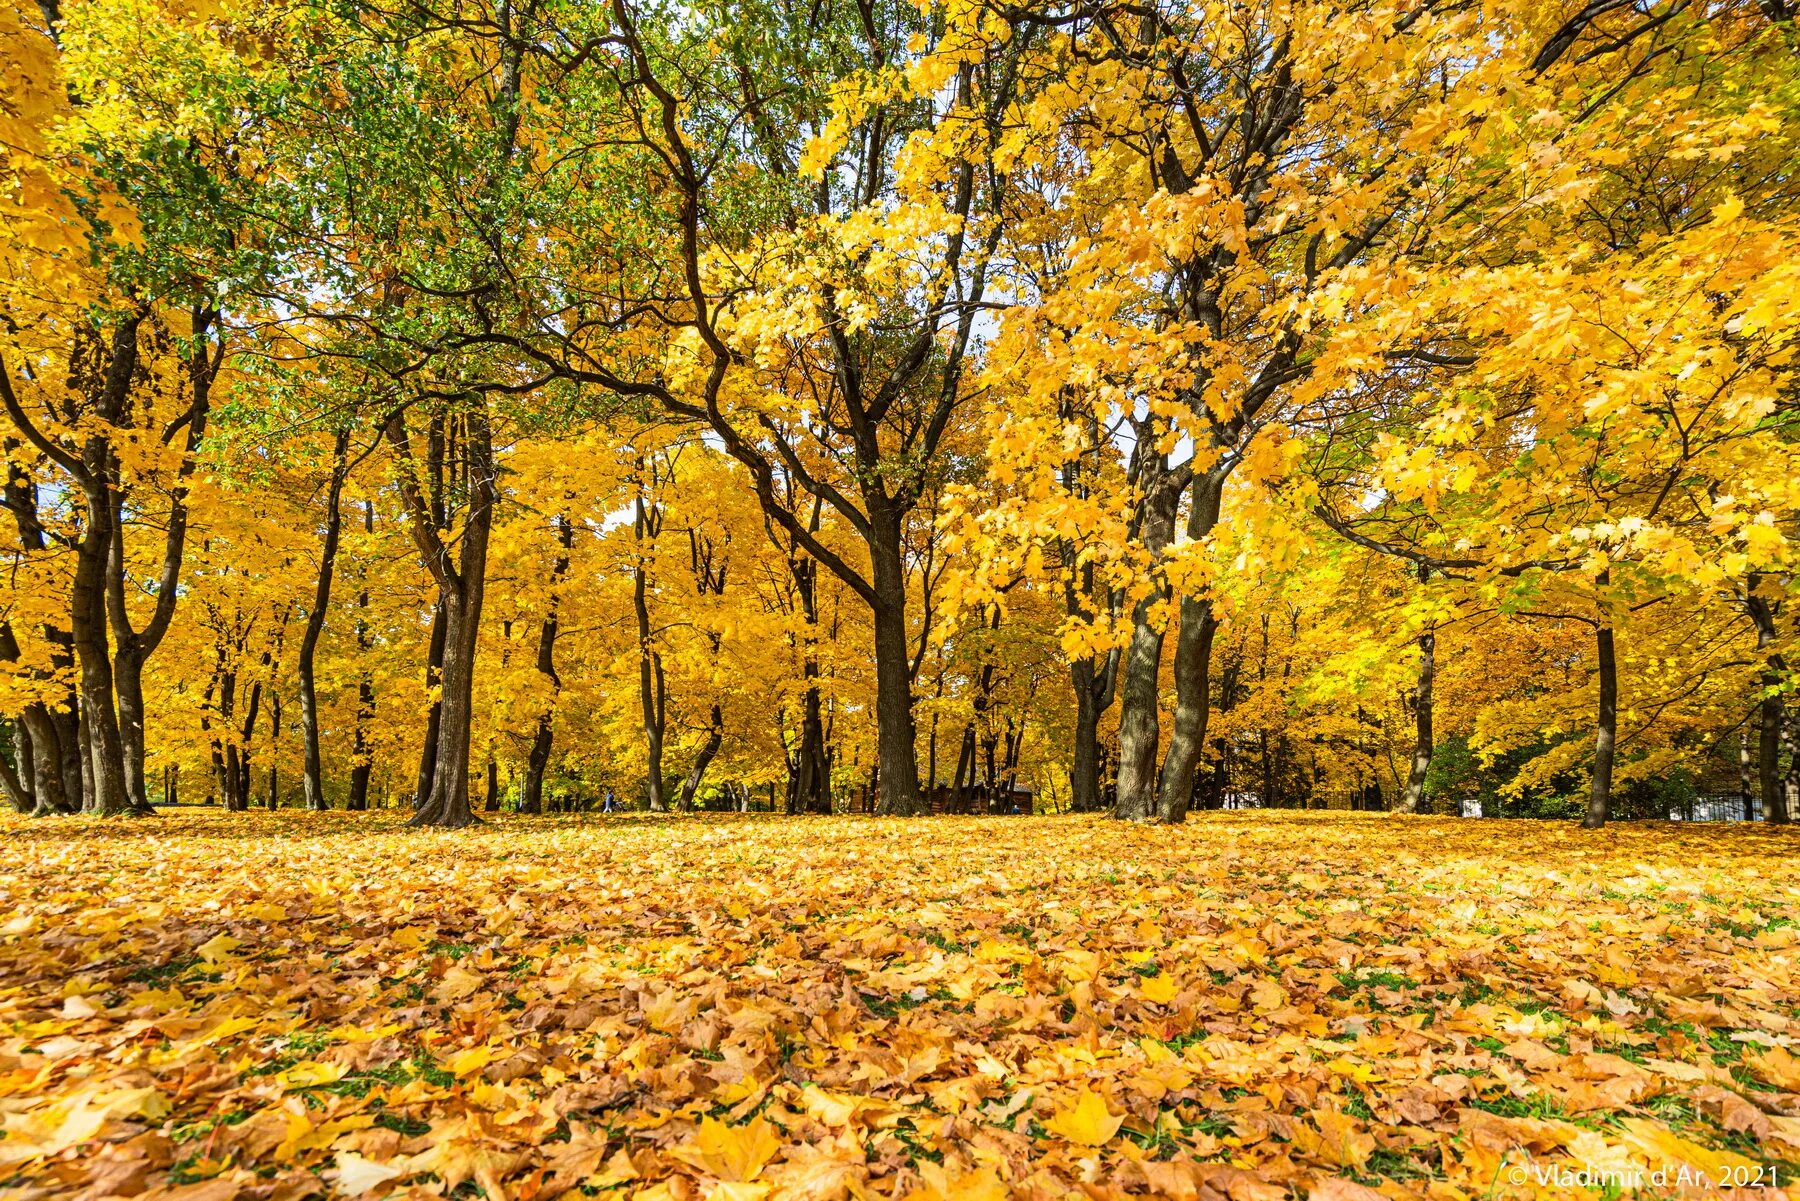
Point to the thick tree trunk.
(1193, 703)
(1771, 726)
(1094, 689)
(67, 720)
(812, 775)
(1606, 730)
(1140, 728)
(715, 737)
(462, 591)
(133, 647)
(128, 676)
(314, 782)
(12, 782)
(47, 764)
(1193, 665)
(434, 717)
(40, 757)
(896, 758)
(447, 805)
(105, 757)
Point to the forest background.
(900, 406)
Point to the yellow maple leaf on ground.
(735, 1154)
(1087, 1121)
(1661, 1144)
(1161, 989)
(357, 1175)
(1777, 1066)
(215, 949)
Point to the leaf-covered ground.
(1256, 1006)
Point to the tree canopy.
(901, 407)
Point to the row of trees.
(1149, 404)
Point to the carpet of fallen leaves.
(273, 1006)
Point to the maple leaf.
(1777, 1066)
(1085, 1120)
(356, 1175)
(735, 1154)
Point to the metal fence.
(1720, 807)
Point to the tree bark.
(360, 758)
(250, 714)
(652, 688)
(896, 755)
(1139, 701)
(1606, 727)
(314, 783)
(1413, 800)
(274, 750)
(812, 774)
(133, 647)
(464, 592)
(47, 762)
(1790, 792)
(1193, 665)
(531, 795)
(714, 738)
(434, 687)
(1771, 727)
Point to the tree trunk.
(434, 717)
(897, 762)
(315, 624)
(274, 749)
(493, 784)
(965, 770)
(1193, 703)
(1771, 725)
(133, 647)
(713, 740)
(1094, 688)
(1789, 795)
(128, 676)
(360, 758)
(1139, 700)
(244, 773)
(40, 759)
(1193, 665)
(47, 756)
(447, 805)
(531, 795)
(812, 777)
(462, 590)
(652, 689)
(67, 720)
(1413, 800)
(1606, 728)
(104, 761)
